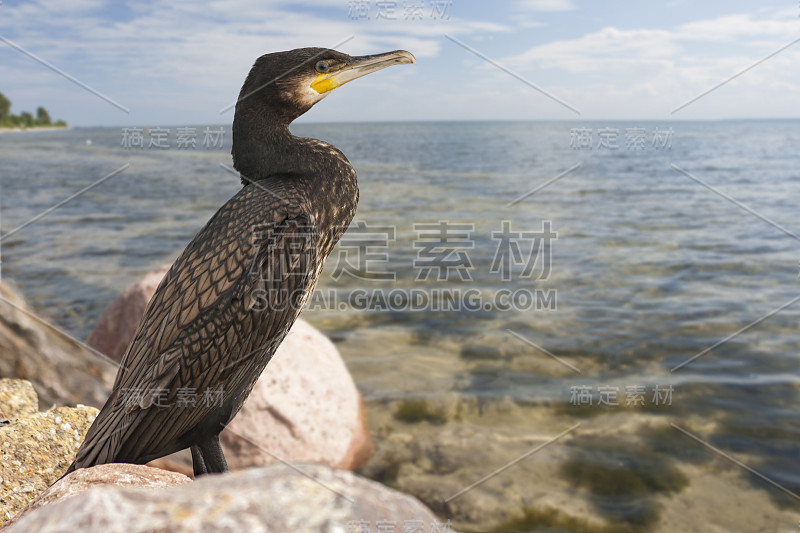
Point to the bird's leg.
(213, 459)
(198, 463)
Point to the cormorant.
(230, 298)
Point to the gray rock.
(276, 498)
(60, 369)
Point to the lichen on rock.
(35, 447)
(17, 398)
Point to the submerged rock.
(36, 448)
(274, 498)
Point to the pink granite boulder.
(275, 498)
(116, 326)
(304, 408)
(115, 475)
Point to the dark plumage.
(229, 300)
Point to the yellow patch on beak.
(324, 83)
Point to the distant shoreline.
(35, 128)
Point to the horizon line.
(447, 121)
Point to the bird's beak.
(357, 67)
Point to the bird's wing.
(263, 302)
(199, 325)
(205, 276)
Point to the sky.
(183, 62)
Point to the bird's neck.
(264, 147)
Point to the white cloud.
(59, 6)
(545, 5)
(616, 49)
(733, 27)
(622, 69)
(607, 50)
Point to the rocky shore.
(36, 446)
(293, 445)
(308, 455)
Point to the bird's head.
(289, 83)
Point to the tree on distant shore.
(25, 119)
(42, 116)
(5, 107)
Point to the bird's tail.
(103, 438)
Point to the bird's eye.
(322, 67)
